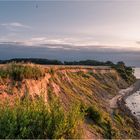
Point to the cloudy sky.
(71, 30)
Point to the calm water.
(133, 101)
(137, 73)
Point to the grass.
(39, 120)
(101, 121)
(19, 72)
(51, 71)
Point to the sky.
(71, 30)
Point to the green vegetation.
(31, 117)
(4, 73)
(84, 75)
(127, 73)
(19, 72)
(99, 119)
(94, 114)
(32, 60)
(37, 119)
(125, 125)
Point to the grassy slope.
(90, 90)
(95, 90)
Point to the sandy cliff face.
(69, 82)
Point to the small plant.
(4, 73)
(80, 73)
(51, 71)
(94, 114)
(108, 131)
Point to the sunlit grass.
(19, 72)
(37, 119)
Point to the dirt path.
(124, 92)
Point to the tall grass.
(19, 72)
(93, 113)
(37, 119)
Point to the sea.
(137, 73)
(133, 101)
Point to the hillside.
(89, 88)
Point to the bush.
(38, 120)
(127, 73)
(98, 118)
(3, 73)
(94, 114)
(19, 72)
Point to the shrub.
(37, 119)
(94, 114)
(108, 131)
(127, 73)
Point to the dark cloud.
(16, 50)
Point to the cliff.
(89, 86)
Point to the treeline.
(33, 60)
(57, 62)
(89, 63)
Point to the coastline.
(121, 102)
(135, 87)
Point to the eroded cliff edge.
(91, 86)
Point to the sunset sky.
(101, 25)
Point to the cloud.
(69, 43)
(86, 43)
(14, 26)
(60, 41)
(15, 50)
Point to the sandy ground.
(123, 92)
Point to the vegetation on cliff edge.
(127, 73)
(19, 72)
